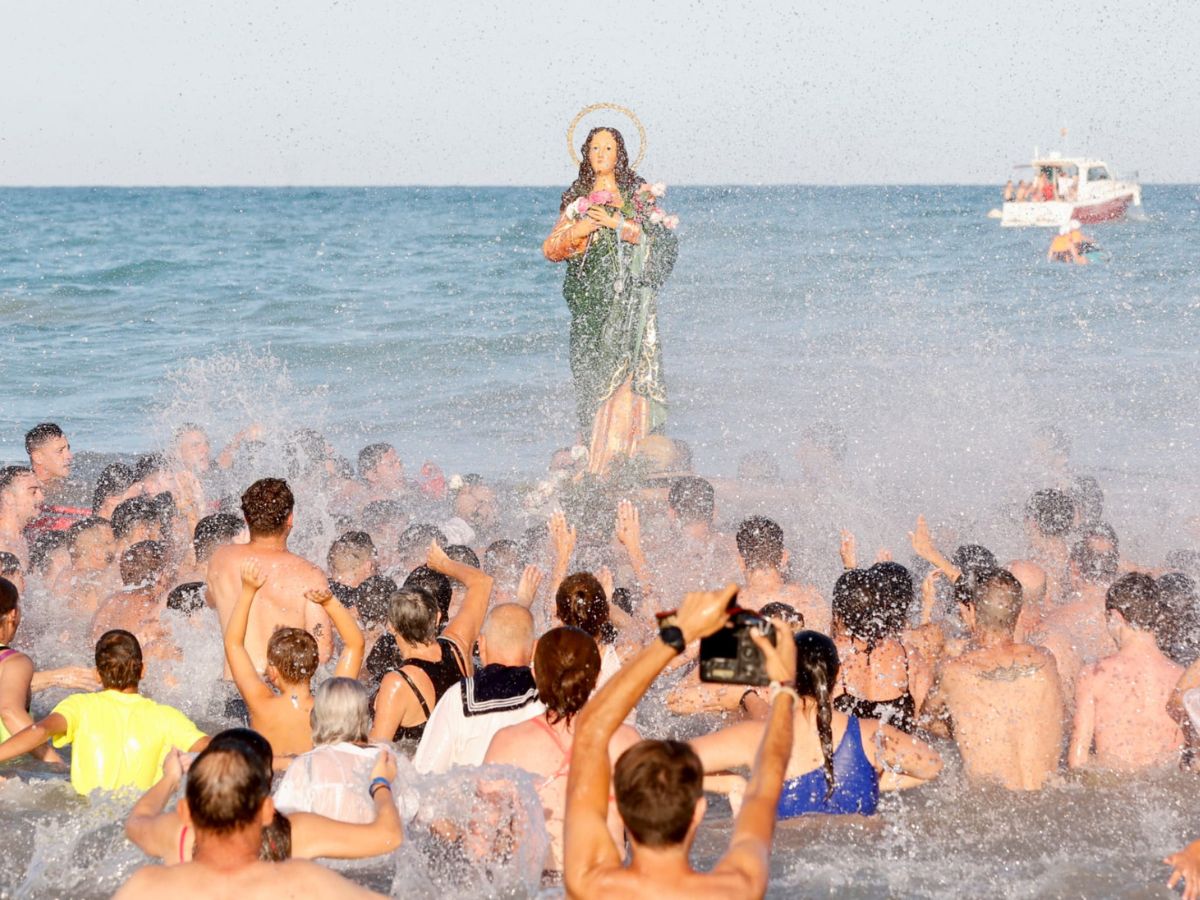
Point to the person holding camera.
(658, 785)
(838, 763)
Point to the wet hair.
(657, 786)
(816, 673)
(777, 609)
(1088, 498)
(293, 652)
(266, 504)
(1051, 511)
(187, 598)
(371, 599)
(413, 615)
(894, 593)
(370, 455)
(1180, 634)
(580, 603)
(341, 712)
(142, 563)
(461, 553)
(40, 434)
(118, 660)
(1101, 531)
(415, 538)
(378, 513)
(534, 540)
(627, 179)
(353, 548)
(43, 547)
(129, 513)
(996, 600)
(82, 527)
(502, 559)
(760, 543)
(227, 786)
(115, 479)
(435, 584)
(9, 596)
(1095, 566)
(9, 563)
(1138, 599)
(691, 499)
(857, 609)
(187, 428)
(215, 531)
(566, 665)
(9, 474)
(973, 557)
(149, 464)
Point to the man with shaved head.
(1001, 700)
(500, 694)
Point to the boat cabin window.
(1097, 173)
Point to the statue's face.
(602, 152)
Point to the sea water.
(939, 344)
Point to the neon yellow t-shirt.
(120, 740)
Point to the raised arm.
(629, 533)
(562, 538)
(922, 544)
(249, 684)
(465, 626)
(155, 832)
(353, 643)
(589, 849)
(1188, 681)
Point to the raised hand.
(629, 526)
(1186, 866)
(527, 588)
(385, 766)
(252, 574)
(922, 541)
(883, 554)
(848, 550)
(562, 536)
(704, 612)
(437, 559)
(319, 596)
(172, 766)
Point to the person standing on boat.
(619, 249)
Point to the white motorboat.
(1071, 187)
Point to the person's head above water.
(1090, 565)
(351, 558)
(341, 712)
(817, 668)
(143, 564)
(566, 665)
(111, 485)
(215, 531)
(21, 494)
(119, 661)
(49, 452)
(229, 787)
(10, 610)
(136, 519)
(580, 603)
(659, 789)
(856, 609)
(413, 616)
(603, 153)
(191, 447)
(267, 507)
(892, 585)
(1135, 601)
(379, 465)
(507, 636)
(1050, 512)
(91, 543)
(760, 544)
(436, 585)
(691, 500)
(994, 603)
(292, 657)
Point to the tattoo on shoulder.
(1011, 673)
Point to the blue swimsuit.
(855, 783)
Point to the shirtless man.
(1003, 698)
(50, 458)
(91, 576)
(267, 505)
(694, 549)
(1049, 517)
(1078, 632)
(763, 559)
(137, 607)
(21, 497)
(227, 803)
(1121, 701)
(658, 785)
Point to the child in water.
(120, 738)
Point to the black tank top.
(444, 674)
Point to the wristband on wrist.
(782, 687)
(378, 784)
(672, 636)
(749, 692)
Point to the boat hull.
(1056, 213)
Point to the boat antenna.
(1063, 133)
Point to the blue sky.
(454, 92)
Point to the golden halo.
(616, 108)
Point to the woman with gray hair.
(334, 778)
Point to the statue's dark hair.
(627, 179)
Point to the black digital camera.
(730, 656)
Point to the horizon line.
(448, 185)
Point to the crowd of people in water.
(443, 628)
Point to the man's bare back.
(281, 601)
(270, 881)
(1006, 705)
(1126, 697)
(1082, 625)
(137, 611)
